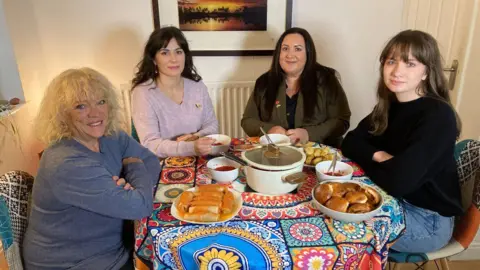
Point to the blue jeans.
(426, 230)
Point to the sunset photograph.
(222, 15)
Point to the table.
(270, 232)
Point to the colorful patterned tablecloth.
(270, 232)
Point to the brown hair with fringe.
(425, 49)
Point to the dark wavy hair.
(159, 39)
(313, 76)
(425, 49)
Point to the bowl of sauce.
(343, 171)
(223, 170)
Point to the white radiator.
(229, 100)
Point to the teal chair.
(467, 155)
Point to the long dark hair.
(425, 49)
(159, 39)
(313, 76)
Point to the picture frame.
(229, 43)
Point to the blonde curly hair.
(64, 92)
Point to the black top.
(291, 108)
(421, 136)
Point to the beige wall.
(49, 36)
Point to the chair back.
(16, 190)
(467, 154)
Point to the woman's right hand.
(277, 130)
(203, 146)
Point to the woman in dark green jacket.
(298, 97)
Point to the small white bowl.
(223, 176)
(323, 166)
(278, 139)
(225, 143)
(346, 217)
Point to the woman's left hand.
(297, 135)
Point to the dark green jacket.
(329, 122)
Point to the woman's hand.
(297, 135)
(187, 138)
(122, 182)
(381, 156)
(203, 146)
(277, 130)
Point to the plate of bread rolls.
(207, 204)
(347, 200)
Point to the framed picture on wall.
(226, 27)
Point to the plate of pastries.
(207, 204)
(317, 154)
(347, 200)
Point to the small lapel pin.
(198, 105)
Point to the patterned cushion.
(6, 234)
(467, 154)
(16, 189)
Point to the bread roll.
(201, 216)
(212, 187)
(204, 208)
(183, 202)
(208, 203)
(356, 197)
(227, 203)
(338, 189)
(208, 194)
(359, 208)
(323, 193)
(207, 198)
(351, 187)
(372, 195)
(338, 204)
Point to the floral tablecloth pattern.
(270, 232)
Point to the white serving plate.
(238, 205)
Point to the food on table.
(308, 144)
(179, 161)
(316, 155)
(185, 200)
(224, 168)
(253, 140)
(201, 216)
(338, 204)
(356, 197)
(243, 147)
(337, 173)
(347, 197)
(206, 204)
(359, 208)
(323, 193)
(372, 195)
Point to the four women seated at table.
(93, 176)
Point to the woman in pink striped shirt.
(171, 107)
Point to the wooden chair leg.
(444, 264)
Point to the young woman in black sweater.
(406, 144)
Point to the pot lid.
(287, 158)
